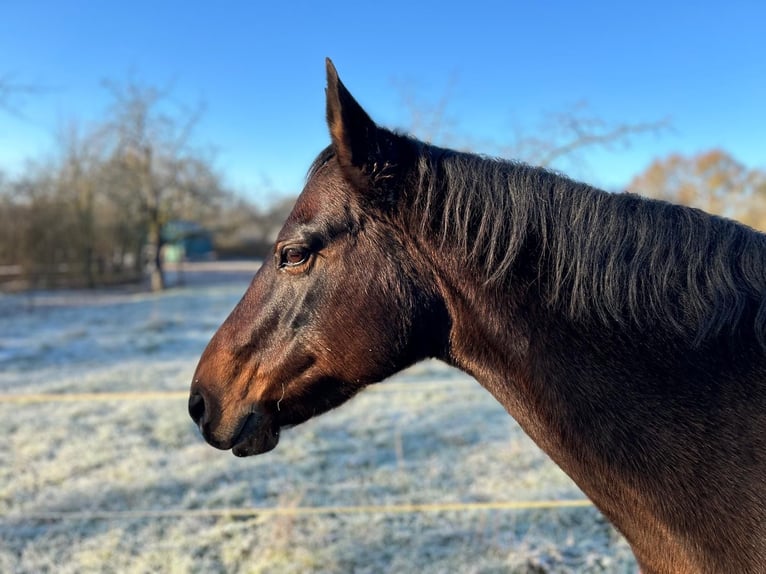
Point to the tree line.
(93, 213)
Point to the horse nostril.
(196, 407)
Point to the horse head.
(346, 299)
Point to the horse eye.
(293, 256)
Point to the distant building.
(186, 241)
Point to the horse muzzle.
(252, 432)
(259, 434)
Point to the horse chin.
(258, 435)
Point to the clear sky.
(259, 69)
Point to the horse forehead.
(308, 206)
(323, 197)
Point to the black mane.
(614, 257)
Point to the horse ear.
(355, 137)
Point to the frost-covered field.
(430, 435)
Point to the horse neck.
(516, 348)
(490, 335)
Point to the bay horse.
(627, 336)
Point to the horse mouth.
(258, 435)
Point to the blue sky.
(259, 69)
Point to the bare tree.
(155, 165)
(12, 91)
(39, 220)
(84, 216)
(430, 120)
(566, 134)
(79, 183)
(557, 136)
(9, 239)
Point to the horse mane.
(613, 257)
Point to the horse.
(626, 336)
